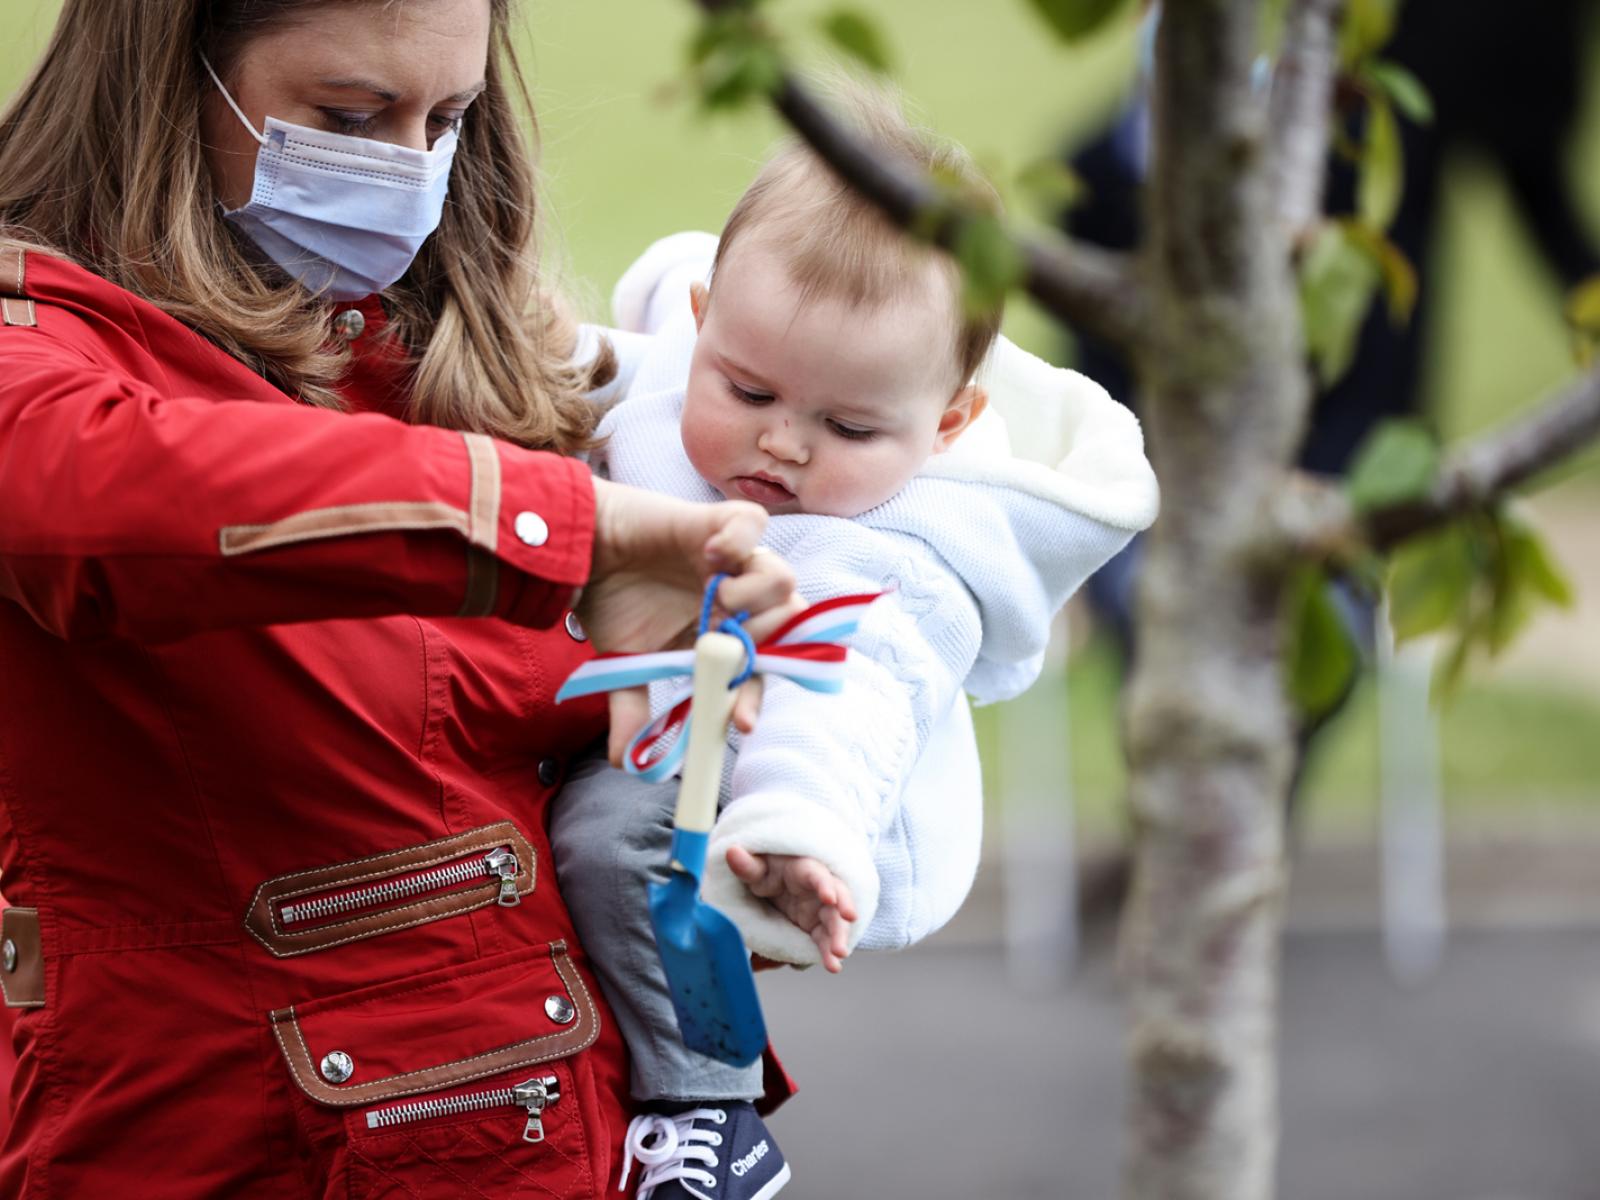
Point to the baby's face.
(817, 407)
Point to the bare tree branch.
(1299, 111)
(1317, 518)
(1093, 290)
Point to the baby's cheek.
(707, 450)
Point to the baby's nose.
(781, 442)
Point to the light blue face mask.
(344, 215)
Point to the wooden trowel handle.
(718, 657)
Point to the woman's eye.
(349, 122)
(747, 396)
(443, 123)
(852, 432)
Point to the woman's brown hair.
(101, 162)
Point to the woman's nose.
(781, 442)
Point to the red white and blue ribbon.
(808, 650)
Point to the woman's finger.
(736, 529)
(630, 712)
(747, 705)
(765, 582)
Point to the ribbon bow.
(807, 650)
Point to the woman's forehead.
(427, 50)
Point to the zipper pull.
(536, 1095)
(503, 864)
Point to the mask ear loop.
(237, 111)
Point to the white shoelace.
(668, 1147)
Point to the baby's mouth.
(763, 490)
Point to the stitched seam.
(300, 530)
(292, 951)
(380, 159)
(359, 1090)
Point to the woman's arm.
(131, 513)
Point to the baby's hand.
(806, 892)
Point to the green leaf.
(1398, 275)
(1051, 186)
(1404, 90)
(1075, 19)
(1337, 282)
(1397, 462)
(1368, 25)
(1382, 167)
(1430, 582)
(991, 263)
(739, 71)
(1524, 577)
(1583, 306)
(858, 36)
(1321, 661)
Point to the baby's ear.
(965, 407)
(699, 298)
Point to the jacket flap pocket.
(440, 1029)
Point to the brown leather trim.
(578, 1036)
(18, 312)
(13, 270)
(343, 519)
(483, 584)
(262, 919)
(24, 984)
(483, 527)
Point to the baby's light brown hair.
(837, 245)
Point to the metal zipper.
(500, 863)
(533, 1096)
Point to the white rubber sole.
(774, 1185)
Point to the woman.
(272, 790)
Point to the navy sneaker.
(719, 1152)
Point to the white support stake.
(1414, 912)
(1040, 865)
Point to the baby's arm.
(822, 775)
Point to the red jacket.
(278, 805)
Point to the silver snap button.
(559, 1009)
(549, 771)
(337, 1066)
(9, 951)
(349, 324)
(575, 628)
(530, 527)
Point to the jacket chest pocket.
(449, 1083)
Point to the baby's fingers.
(747, 705)
(751, 871)
(826, 947)
(811, 876)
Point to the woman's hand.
(652, 557)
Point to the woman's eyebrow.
(389, 96)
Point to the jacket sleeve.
(132, 513)
(824, 775)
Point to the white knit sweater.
(978, 552)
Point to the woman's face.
(402, 71)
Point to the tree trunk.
(1209, 729)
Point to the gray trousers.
(611, 834)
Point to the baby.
(826, 372)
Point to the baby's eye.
(748, 396)
(357, 123)
(851, 432)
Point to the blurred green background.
(627, 159)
